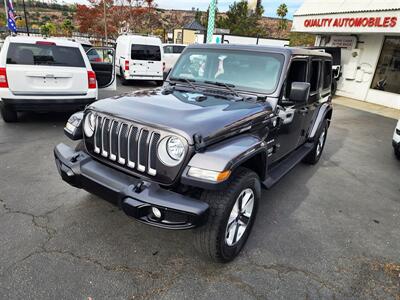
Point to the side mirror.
(300, 91)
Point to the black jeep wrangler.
(229, 121)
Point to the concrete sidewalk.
(368, 107)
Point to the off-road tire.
(313, 157)
(9, 115)
(209, 239)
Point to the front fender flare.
(226, 155)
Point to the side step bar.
(287, 164)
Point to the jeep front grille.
(126, 144)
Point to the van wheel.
(319, 144)
(231, 216)
(9, 115)
(159, 82)
(123, 80)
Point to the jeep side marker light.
(209, 175)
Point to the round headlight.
(89, 124)
(175, 148)
(171, 151)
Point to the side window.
(178, 49)
(168, 49)
(315, 75)
(327, 78)
(297, 73)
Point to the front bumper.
(135, 196)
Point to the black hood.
(185, 113)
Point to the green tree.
(282, 12)
(48, 29)
(239, 20)
(67, 27)
(298, 39)
(198, 16)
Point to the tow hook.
(140, 187)
(74, 158)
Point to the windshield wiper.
(228, 86)
(186, 80)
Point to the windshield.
(245, 70)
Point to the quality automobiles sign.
(352, 22)
(371, 22)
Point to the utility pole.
(105, 22)
(26, 17)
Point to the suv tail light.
(92, 84)
(127, 65)
(3, 78)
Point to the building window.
(387, 73)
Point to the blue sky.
(270, 6)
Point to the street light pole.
(105, 22)
(26, 17)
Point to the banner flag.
(211, 21)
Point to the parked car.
(139, 58)
(396, 140)
(43, 74)
(196, 153)
(171, 54)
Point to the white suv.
(43, 74)
(396, 140)
(171, 54)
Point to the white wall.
(384, 98)
(358, 71)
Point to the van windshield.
(47, 54)
(244, 70)
(146, 52)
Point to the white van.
(139, 58)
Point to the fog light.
(156, 212)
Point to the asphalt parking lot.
(330, 231)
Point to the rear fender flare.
(323, 113)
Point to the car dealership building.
(368, 32)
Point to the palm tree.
(282, 12)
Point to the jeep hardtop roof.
(288, 51)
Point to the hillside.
(40, 13)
